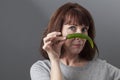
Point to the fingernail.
(59, 32)
(64, 37)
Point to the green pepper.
(83, 36)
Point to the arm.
(52, 45)
(114, 72)
(56, 71)
(40, 71)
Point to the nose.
(78, 31)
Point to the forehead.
(69, 25)
(75, 17)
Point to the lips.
(77, 45)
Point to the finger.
(48, 38)
(58, 39)
(61, 43)
(54, 34)
(47, 45)
(53, 39)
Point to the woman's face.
(74, 45)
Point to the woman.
(71, 59)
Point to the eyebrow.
(79, 25)
(87, 27)
(83, 26)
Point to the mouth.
(77, 45)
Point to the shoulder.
(40, 66)
(40, 70)
(107, 68)
(44, 63)
(104, 63)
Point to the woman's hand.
(52, 44)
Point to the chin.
(76, 51)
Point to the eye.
(73, 28)
(84, 30)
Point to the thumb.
(61, 43)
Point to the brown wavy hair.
(72, 13)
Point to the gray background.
(23, 21)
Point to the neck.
(72, 60)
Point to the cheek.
(84, 41)
(66, 33)
(68, 42)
